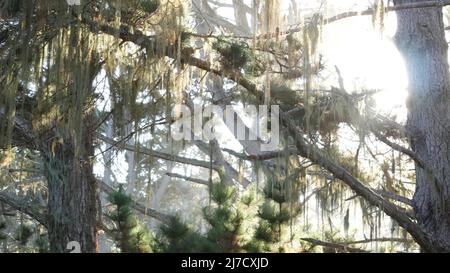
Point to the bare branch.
(382, 240)
(395, 197)
(158, 154)
(342, 247)
(261, 156)
(399, 148)
(195, 180)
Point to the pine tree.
(24, 233)
(279, 208)
(226, 220)
(42, 244)
(177, 237)
(225, 232)
(130, 235)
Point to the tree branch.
(257, 157)
(22, 133)
(382, 240)
(22, 206)
(342, 247)
(400, 148)
(349, 14)
(158, 154)
(315, 155)
(395, 197)
(164, 218)
(306, 150)
(218, 158)
(195, 180)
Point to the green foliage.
(224, 234)
(225, 219)
(238, 56)
(254, 67)
(149, 6)
(131, 236)
(24, 233)
(248, 199)
(257, 246)
(222, 194)
(176, 237)
(279, 208)
(273, 213)
(233, 55)
(2, 227)
(185, 38)
(283, 95)
(42, 244)
(265, 232)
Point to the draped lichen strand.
(378, 16)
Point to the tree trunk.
(72, 204)
(421, 40)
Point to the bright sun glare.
(368, 59)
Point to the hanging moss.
(378, 16)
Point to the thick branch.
(315, 155)
(370, 11)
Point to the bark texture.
(73, 197)
(421, 40)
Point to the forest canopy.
(339, 138)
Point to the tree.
(225, 220)
(279, 209)
(421, 40)
(53, 59)
(131, 236)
